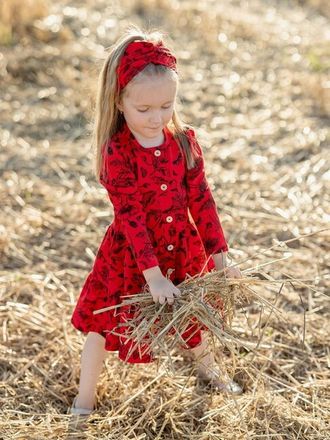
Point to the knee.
(96, 337)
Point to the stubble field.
(255, 84)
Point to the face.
(148, 107)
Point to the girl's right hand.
(162, 289)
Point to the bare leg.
(204, 357)
(206, 368)
(92, 357)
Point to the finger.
(177, 292)
(170, 298)
(161, 299)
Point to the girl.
(165, 218)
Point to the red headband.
(140, 53)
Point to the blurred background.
(255, 84)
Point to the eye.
(164, 107)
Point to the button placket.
(169, 218)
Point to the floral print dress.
(164, 215)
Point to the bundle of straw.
(209, 301)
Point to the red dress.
(150, 190)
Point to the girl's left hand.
(233, 272)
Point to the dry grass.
(16, 13)
(277, 355)
(253, 78)
(209, 300)
(17, 16)
(321, 6)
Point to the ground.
(254, 82)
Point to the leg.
(204, 357)
(92, 358)
(206, 369)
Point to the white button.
(170, 247)
(163, 186)
(157, 153)
(169, 219)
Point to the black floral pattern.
(164, 215)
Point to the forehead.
(151, 90)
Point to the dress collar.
(132, 139)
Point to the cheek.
(135, 117)
(168, 114)
(141, 117)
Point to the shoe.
(230, 386)
(79, 411)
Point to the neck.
(147, 143)
(151, 143)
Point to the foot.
(212, 378)
(76, 410)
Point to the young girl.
(165, 218)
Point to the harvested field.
(255, 84)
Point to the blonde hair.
(108, 120)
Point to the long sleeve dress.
(164, 215)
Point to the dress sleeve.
(119, 180)
(202, 205)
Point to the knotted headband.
(137, 55)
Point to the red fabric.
(151, 191)
(137, 55)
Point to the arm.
(152, 273)
(203, 207)
(119, 180)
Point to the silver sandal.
(79, 411)
(230, 386)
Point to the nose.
(156, 117)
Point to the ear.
(119, 105)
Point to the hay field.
(255, 83)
